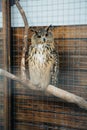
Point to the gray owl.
(43, 59)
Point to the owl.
(43, 59)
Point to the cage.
(21, 108)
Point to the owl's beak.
(44, 39)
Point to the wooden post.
(6, 58)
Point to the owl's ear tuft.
(49, 28)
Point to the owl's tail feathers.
(67, 96)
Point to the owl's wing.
(30, 53)
(55, 69)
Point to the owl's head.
(43, 36)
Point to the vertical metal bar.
(6, 48)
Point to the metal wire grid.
(71, 52)
(42, 13)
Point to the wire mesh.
(36, 111)
(33, 110)
(72, 65)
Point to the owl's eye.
(46, 34)
(39, 36)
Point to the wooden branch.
(27, 83)
(62, 94)
(67, 96)
(23, 65)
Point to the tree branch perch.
(67, 96)
(62, 94)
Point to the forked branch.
(62, 94)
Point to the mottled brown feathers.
(43, 60)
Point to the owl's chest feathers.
(41, 55)
(41, 62)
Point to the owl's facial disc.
(43, 36)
